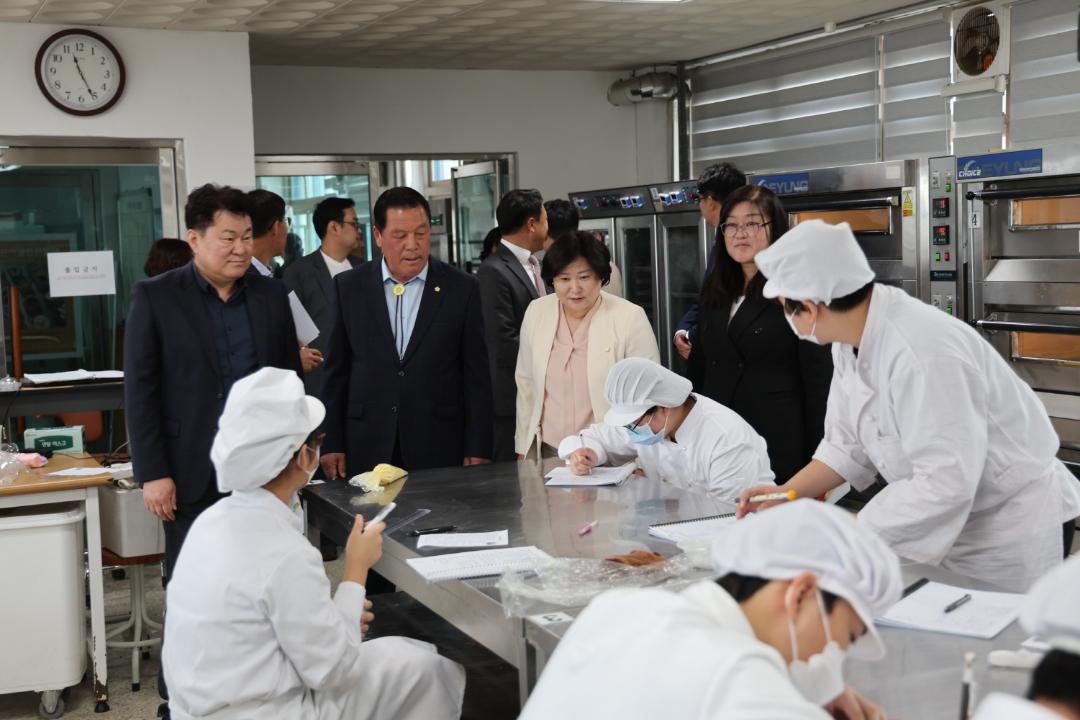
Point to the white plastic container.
(127, 527)
(42, 620)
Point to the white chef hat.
(814, 261)
(267, 416)
(849, 560)
(1051, 609)
(999, 706)
(635, 385)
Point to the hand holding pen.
(583, 461)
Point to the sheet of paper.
(464, 540)
(691, 530)
(73, 274)
(108, 374)
(58, 377)
(79, 472)
(564, 477)
(478, 563)
(306, 331)
(984, 616)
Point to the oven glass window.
(1048, 347)
(1046, 212)
(872, 220)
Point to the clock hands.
(79, 68)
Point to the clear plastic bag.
(10, 467)
(573, 582)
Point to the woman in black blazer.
(745, 356)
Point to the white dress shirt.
(335, 267)
(263, 270)
(522, 256)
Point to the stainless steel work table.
(919, 676)
(507, 496)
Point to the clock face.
(80, 72)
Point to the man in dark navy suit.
(406, 378)
(191, 333)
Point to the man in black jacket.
(190, 334)
(406, 377)
(510, 280)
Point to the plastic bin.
(42, 618)
(127, 527)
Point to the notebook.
(564, 477)
(984, 616)
(478, 563)
(680, 530)
(72, 376)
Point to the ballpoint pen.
(957, 603)
(788, 495)
(582, 439)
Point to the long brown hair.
(726, 281)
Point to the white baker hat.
(814, 261)
(635, 385)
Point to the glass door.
(635, 254)
(304, 182)
(683, 251)
(477, 190)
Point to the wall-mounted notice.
(72, 274)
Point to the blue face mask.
(643, 435)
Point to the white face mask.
(819, 679)
(808, 338)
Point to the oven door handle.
(1030, 191)
(1008, 325)
(797, 204)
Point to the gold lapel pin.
(438, 289)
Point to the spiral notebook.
(680, 530)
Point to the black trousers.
(175, 533)
(504, 430)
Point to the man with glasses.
(311, 277)
(676, 435)
(190, 334)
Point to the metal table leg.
(97, 602)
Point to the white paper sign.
(464, 540)
(306, 330)
(974, 219)
(73, 274)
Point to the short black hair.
(166, 254)
(720, 180)
(570, 247)
(332, 209)
(204, 203)
(516, 208)
(491, 241)
(397, 197)
(840, 304)
(267, 208)
(1054, 678)
(742, 587)
(563, 217)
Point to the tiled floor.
(491, 686)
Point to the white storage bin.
(127, 527)
(42, 620)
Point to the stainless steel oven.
(1021, 219)
(881, 201)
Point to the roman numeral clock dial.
(80, 72)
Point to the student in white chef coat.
(677, 436)
(918, 396)
(253, 630)
(1051, 612)
(797, 590)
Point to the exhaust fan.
(980, 49)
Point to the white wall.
(192, 86)
(567, 136)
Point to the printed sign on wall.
(74, 274)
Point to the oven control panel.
(618, 202)
(944, 247)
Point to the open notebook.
(478, 563)
(984, 616)
(680, 530)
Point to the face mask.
(808, 338)
(643, 435)
(819, 679)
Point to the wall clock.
(80, 72)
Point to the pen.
(914, 586)
(789, 495)
(582, 439)
(588, 528)
(957, 603)
(432, 530)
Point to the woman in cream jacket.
(569, 340)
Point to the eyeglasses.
(751, 228)
(633, 425)
(355, 223)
